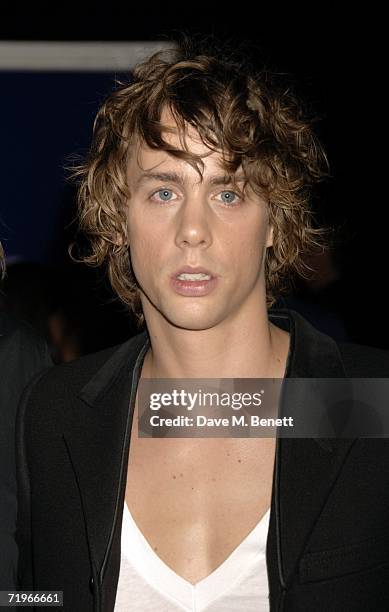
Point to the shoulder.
(71, 377)
(364, 361)
(322, 356)
(63, 396)
(51, 395)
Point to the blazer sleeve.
(24, 536)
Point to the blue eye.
(164, 194)
(228, 197)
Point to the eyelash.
(239, 203)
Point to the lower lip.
(193, 288)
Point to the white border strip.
(76, 56)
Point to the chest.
(195, 500)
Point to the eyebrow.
(174, 177)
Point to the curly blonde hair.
(245, 115)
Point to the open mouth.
(194, 285)
(193, 277)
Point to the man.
(195, 195)
(22, 355)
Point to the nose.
(193, 224)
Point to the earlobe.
(120, 239)
(269, 241)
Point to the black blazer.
(328, 541)
(22, 355)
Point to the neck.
(244, 347)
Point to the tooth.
(199, 276)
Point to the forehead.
(177, 138)
(144, 158)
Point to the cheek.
(141, 238)
(143, 253)
(248, 245)
(145, 257)
(250, 240)
(144, 226)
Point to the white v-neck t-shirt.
(147, 584)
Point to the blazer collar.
(304, 473)
(122, 362)
(311, 353)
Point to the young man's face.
(175, 219)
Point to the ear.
(120, 239)
(269, 236)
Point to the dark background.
(337, 60)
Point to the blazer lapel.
(98, 444)
(306, 468)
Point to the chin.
(190, 314)
(195, 321)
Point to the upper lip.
(189, 270)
